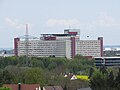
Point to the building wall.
(68, 49)
(88, 47)
(39, 48)
(107, 61)
(61, 48)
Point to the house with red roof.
(23, 86)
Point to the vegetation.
(51, 71)
(104, 79)
(46, 70)
(4, 88)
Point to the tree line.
(45, 70)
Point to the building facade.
(58, 45)
(90, 47)
(39, 48)
(107, 61)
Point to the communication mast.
(26, 44)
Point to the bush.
(4, 88)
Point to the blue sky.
(94, 18)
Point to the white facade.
(88, 48)
(40, 48)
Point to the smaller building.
(52, 88)
(107, 61)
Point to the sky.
(94, 18)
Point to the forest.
(45, 70)
(48, 71)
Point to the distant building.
(58, 45)
(107, 61)
(112, 48)
(111, 51)
(6, 53)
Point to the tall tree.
(7, 77)
(34, 75)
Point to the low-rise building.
(23, 86)
(107, 61)
(52, 88)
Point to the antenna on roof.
(69, 27)
(26, 29)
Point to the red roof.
(23, 86)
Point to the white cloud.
(8, 20)
(106, 21)
(102, 20)
(15, 23)
(62, 22)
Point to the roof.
(56, 34)
(53, 88)
(27, 36)
(107, 57)
(23, 86)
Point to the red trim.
(73, 46)
(101, 45)
(16, 46)
(73, 33)
(49, 38)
